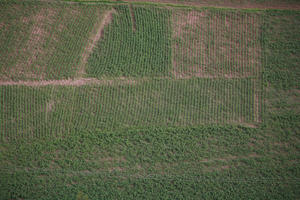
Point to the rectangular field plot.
(42, 41)
(55, 110)
(135, 43)
(216, 43)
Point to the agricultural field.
(118, 100)
(61, 110)
(141, 38)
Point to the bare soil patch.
(71, 82)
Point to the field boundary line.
(65, 82)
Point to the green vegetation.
(136, 43)
(210, 111)
(213, 162)
(282, 46)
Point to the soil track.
(69, 82)
(115, 81)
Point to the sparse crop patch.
(44, 41)
(216, 43)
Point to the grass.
(152, 135)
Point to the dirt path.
(70, 82)
(94, 38)
(114, 81)
(75, 82)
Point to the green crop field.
(143, 100)
(29, 112)
(136, 43)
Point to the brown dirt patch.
(71, 82)
(95, 37)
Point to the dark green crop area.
(136, 43)
(166, 102)
(211, 162)
(282, 45)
